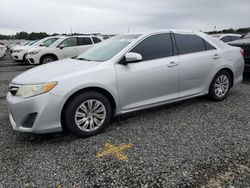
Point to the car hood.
(240, 41)
(36, 48)
(51, 71)
(24, 47)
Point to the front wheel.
(220, 86)
(47, 59)
(87, 114)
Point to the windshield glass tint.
(106, 50)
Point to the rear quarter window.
(84, 41)
(209, 46)
(96, 40)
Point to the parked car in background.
(122, 74)
(12, 45)
(19, 53)
(25, 43)
(65, 47)
(3, 49)
(227, 37)
(244, 43)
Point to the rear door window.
(154, 47)
(187, 43)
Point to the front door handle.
(172, 64)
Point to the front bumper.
(17, 56)
(47, 108)
(33, 59)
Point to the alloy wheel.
(90, 115)
(47, 60)
(221, 86)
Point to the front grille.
(13, 89)
(29, 121)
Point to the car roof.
(180, 31)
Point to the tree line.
(40, 35)
(27, 36)
(231, 30)
(34, 35)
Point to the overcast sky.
(115, 16)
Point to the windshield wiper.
(83, 59)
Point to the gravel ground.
(195, 143)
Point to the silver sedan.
(125, 73)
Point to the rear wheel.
(47, 59)
(220, 86)
(87, 114)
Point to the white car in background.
(227, 37)
(2, 50)
(65, 47)
(20, 52)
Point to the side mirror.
(41, 44)
(132, 57)
(61, 46)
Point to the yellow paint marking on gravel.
(115, 151)
(228, 176)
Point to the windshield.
(45, 42)
(247, 36)
(50, 41)
(107, 49)
(36, 43)
(32, 42)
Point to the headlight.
(34, 52)
(27, 91)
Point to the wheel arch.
(47, 54)
(96, 89)
(230, 72)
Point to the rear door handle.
(172, 64)
(216, 56)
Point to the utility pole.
(71, 31)
(128, 29)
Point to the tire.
(47, 59)
(220, 86)
(25, 60)
(80, 125)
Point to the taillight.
(242, 52)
